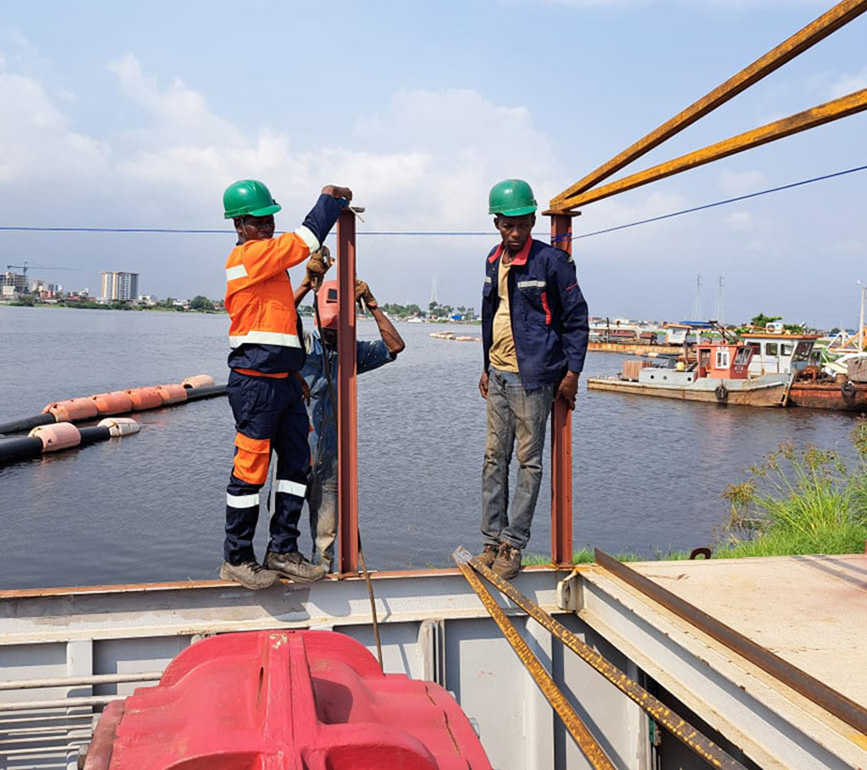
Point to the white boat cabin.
(779, 353)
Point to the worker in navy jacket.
(534, 336)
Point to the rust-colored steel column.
(347, 404)
(561, 439)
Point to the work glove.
(365, 295)
(317, 266)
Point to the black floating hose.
(21, 448)
(28, 447)
(26, 424)
(93, 434)
(209, 391)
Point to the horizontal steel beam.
(45, 751)
(58, 703)
(215, 606)
(818, 30)
(72, 681)
(779, 129)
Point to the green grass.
(581, 556)
(799, 501)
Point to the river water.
(648, 473)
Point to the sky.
(121, 114)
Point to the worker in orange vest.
(265, 389)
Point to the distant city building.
(17, 282)
(45, 289)
(119, 286)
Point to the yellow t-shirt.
(502, 353)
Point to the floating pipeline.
(63, 435)
(118, 402)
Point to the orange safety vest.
(264, 335)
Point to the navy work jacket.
(548, 312)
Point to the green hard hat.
(511, 198)
(248, 197)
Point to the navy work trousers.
(269, 415)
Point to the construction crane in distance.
(23, 268)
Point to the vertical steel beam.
(561, 439)
(347, 427)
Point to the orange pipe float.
(199, 386)
(116, 402)
(144, 398)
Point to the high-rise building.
(18, 281)
(119, 286)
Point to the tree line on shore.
(202, 304)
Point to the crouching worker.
(265, 387)
(320, 369)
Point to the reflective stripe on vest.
(233, 273)
(532, 284)
(306, 235)
(265, 338)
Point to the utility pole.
(861, 319)
(697, 312)
(434, 300)
(720, 311)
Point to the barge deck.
(65, 653)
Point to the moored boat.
(720, 374)
(829, 389)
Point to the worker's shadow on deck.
(325, 603)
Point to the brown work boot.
(294, 566)
(488, 554)
(508, 561)
(249, 574)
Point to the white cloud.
(179, 114)
(459, 143)
(419, 163)
(847, 84)
(849, 246)
(739, 220)
(734, 183)
(416, 162)
(37, 144)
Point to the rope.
(722, 202)
(439, 233)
